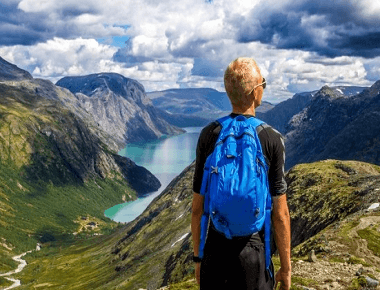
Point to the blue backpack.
(235, 184)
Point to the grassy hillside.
(56, 175)
(155, 249)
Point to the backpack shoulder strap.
(224, 121)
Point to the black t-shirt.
(273, 147)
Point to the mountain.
(196, 102)
(279, 116)
(155, 249)
(120, 106)
(58, 169)
(10, 72)
(336, 126)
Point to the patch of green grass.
(190, 285)
(357, 284)
(38, 211)
(372, 236)
(356, 260)
(276, 262)
(304, 281)
(4, 282)
(344, 236)
(336, 260)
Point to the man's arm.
(196, 216)
(281, 224)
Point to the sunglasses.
(264, 84)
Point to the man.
(239, 263)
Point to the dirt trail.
(21, 266)
(339, 275)
(361, 244)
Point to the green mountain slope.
(55, 172)
(156, 249)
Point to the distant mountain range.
(337, 122)
(204, 103)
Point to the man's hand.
(283, 278)
(198, 272)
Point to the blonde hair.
(240, 77)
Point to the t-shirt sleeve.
(274, 149)
(205, 146)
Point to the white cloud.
(166, 38)
(60, 57)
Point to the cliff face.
(120, 107)
(336, 126)
(52, 143)
(325, 192)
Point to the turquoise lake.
(165, 158)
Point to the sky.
(299, 45)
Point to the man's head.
(243, 83)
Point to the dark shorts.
(237, 264)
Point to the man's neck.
(249, 111)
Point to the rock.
(312, 257)
(359, 272)
(371, 282)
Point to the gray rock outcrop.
(119, 106)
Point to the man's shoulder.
(268, 130)
(212, 128)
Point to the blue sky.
(299, 45)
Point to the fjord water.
(165, 158)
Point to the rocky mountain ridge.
(282, 113)
(337, 126)
(10, 72)
(120, 106)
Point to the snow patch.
(178, 217)
(374, 205)
(180, 239)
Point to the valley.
(60, 170)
